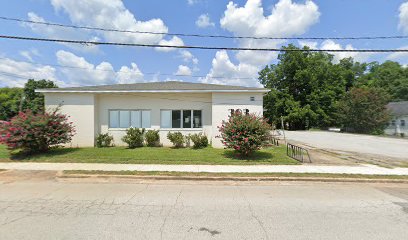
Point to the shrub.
(200, 140)
(134, 137)
(33, 133)
(152, 138)
(176, 138)
(104, 140)
(244, 133)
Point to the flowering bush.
(244, 133)
(134, 137)
(36, 132)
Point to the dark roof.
(398, 108)
(156, 86)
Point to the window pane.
(197, 119)
(146, 119)
(176, 119)
(113, 119)
(186, 118)
(124, 119)
(165, 119)
(135, 119)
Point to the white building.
(166, 106)
(399, 119)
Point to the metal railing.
(273, 141)
(297, 152)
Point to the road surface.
(201, 210)
(363, 144)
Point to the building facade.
(165, 106)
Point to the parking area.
(394, 148)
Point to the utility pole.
(283, 128)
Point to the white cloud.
(111, 14)
(223, 71)
(403, 17)
(187, 56)
(86, 73)
(175, 41)
(402, 57)
(63, 33)
(183, 70)
(15, 73)
(192, 2)
(310, 44)
(29, 54)
(357, 56)
(204, 21)
(287, 19)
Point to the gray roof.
(170, 86)
(398, 108)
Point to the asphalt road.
(201, 210)
(363, 144)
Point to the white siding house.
(166, 106)
(399, 119)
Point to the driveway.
(49, 209)
(363, 144)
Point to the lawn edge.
(244, 177)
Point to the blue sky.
(92, 65)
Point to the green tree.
(32, 100)
(363, 110)
(390, 76)
(305, 87)
(10, 99)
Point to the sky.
(79, 65)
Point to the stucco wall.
(398, 129)
(154, 102)
(90, 112)
(80, 109)
(222, 102)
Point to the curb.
(241, 179)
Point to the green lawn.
(148, 155)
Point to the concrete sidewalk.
(362, 169)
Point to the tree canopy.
(12, 100)
(306, 87)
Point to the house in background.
(399, 119)
(167, 106)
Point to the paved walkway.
(361, 169)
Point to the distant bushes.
(152, 138)
(176, 138)
(200, 140)
(134, 137)
(104, 140)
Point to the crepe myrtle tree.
(245, 133)
(33, 133)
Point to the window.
(393, 123)
(252, 99)
(181, 119)
(129, 118)
(402, 123)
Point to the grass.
(206, 174)
(152, 155)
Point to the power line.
(123, 71)
(197, 47)
(200, 35)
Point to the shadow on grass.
(256, 156)
(21, 156)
